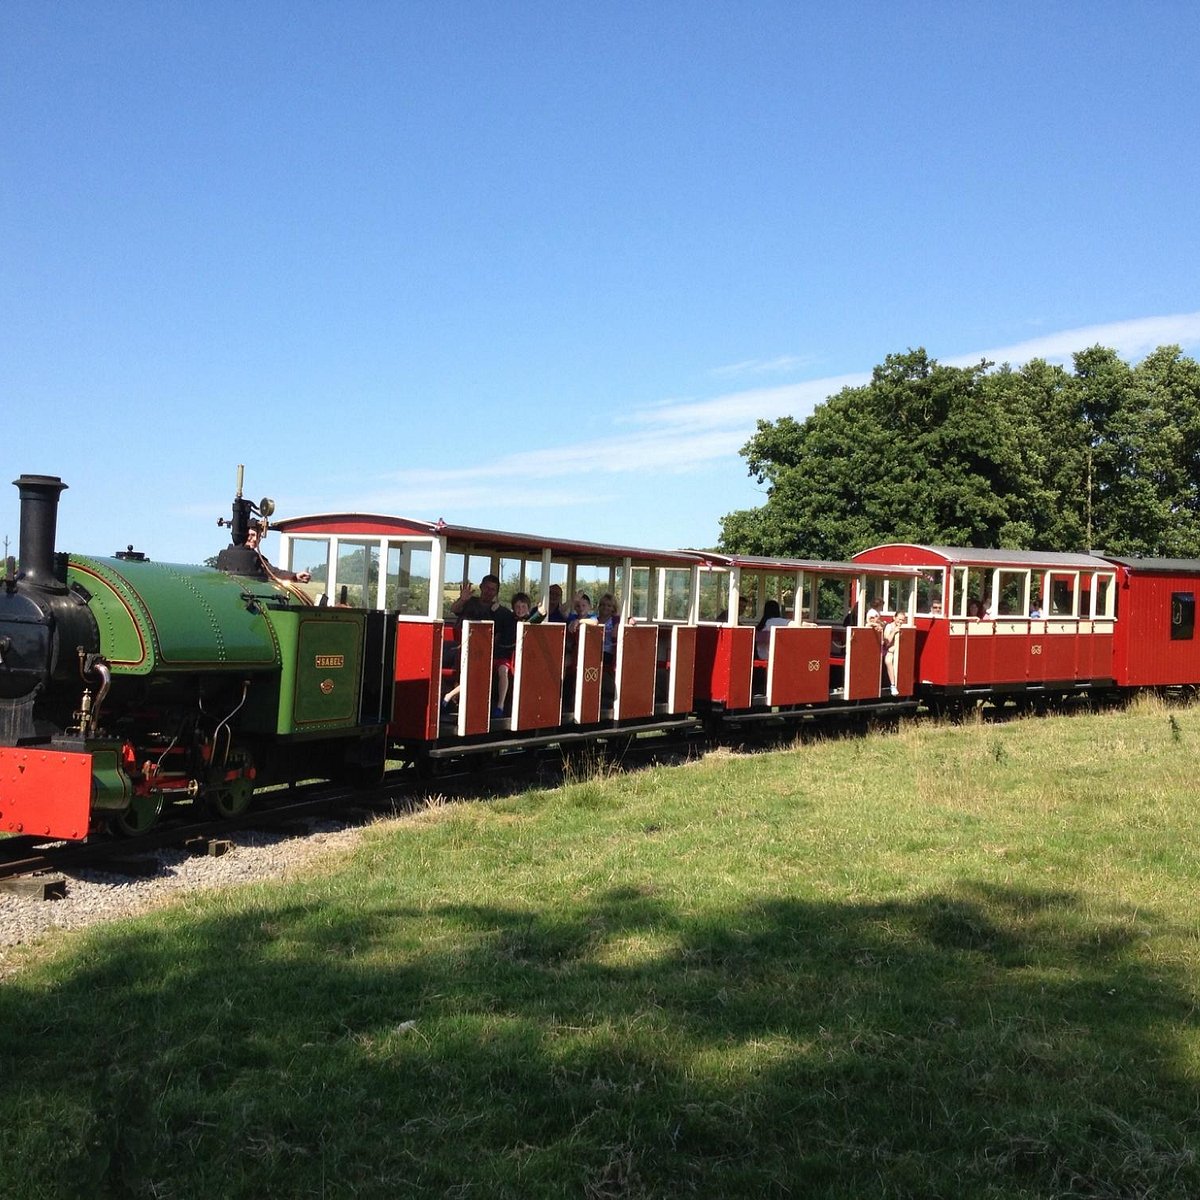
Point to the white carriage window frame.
(383, 546)
(1071, 579)
(957, 604)
(287, 555)
(1104, 596)
(847, 590)
(906, 586)
(806, 595)
(784, 587)
(593, 577)
(667, 590)
(399, 564)
(935, 579)
(1021, 574)
(642, 601)
(712, 595)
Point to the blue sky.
(541, 266)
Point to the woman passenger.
(609, 619)
(771, 617)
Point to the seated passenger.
(469, 607)
(487, 607)
(609, 618)
(581, 613)
(552, 608)
(505, 647)
(581, 609)
(770, 618)
(743, 608)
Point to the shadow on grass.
(986, 1043)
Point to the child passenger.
(891, 648)
(609, 618)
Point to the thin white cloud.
(675, 437)
(1132, 339)
(765, 366)
(742, 408)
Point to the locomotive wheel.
(230, 799)
(140, 817)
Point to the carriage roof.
(477, 539)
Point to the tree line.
(1105, 456)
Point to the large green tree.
(1034, 457)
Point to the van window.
(1183, 616)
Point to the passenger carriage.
(1048, 624)
(561, 685)
(827, 656)
(684, 647)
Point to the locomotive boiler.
(127, 685)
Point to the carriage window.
(593, 580)
(714, 595)
(898, 592)
(972, 588)
(460, 569)
(1183, 616)
(1012, 593)
(311, 555)
(452, 584)
(408, 573)
(677, 593)
(1105, 595)
(759, 588)
(357, 573)
(512, 579)
(929, 594)
(1061, 591)
(643, 597)
(833, 599)
(960, 598)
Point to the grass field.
(945, 961)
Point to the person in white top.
(762, 636)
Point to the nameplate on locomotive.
(330, 662)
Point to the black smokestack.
(39, 527)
